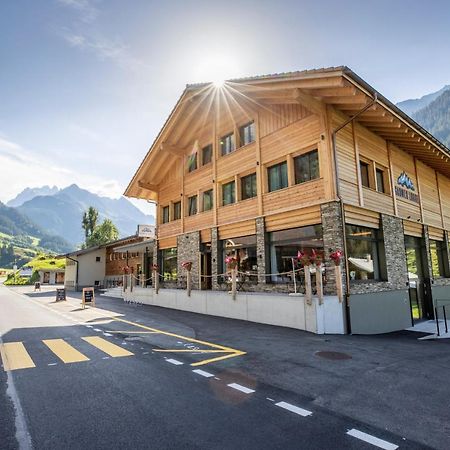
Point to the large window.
(380, 180)
(365, 252)
(169, 263)
(438, 255)
(284, 247)
(248, 186)
(206, 154)
(364, 170)
(192, 162)
(247, 134)
(192, 205)
(278, 177)
(165, 214)
(228, 193)
(227, 144)
(207, 200)
(244, 250)
(306, 167)
(177, 211)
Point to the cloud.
(87, 11)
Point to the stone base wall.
(188, 249)
(261, 250)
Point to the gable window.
(207, 200)
(177, 211)
(380, 180)
(228, 193)
(248, 186)
(364, 170)
(247, 133)
(278, 177)
(227, 144)
(306, 167)
(206, 154)
(192, 205)
(192, 162)
(165, 214)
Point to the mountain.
(61, 213)
(30, 193)
(412, 106)
(435, 117)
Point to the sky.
(86, 85)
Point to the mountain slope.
(30, 193)
(412, 106)
(435, 117)
(62, 212)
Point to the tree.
(89, 222)
(102, 234)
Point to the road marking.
(98, 329)
(64, 351)
(241, 388)
(89, 326)
(270, 399)
(107, 334)
(133, 332)
(174, 361)
(377, 442)
(174, 350)
(295, 409)
(203, 373)
(15, 356)
(107, 347)
(52, 364)
(145, 353)
(232, 351)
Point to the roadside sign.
(60, 294)
(37, 286)
(147, 231)
(88, 297)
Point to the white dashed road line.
(52, 364)
(174, 361)
(295, 409)
(377, 442)
(107, 334)
(203, 373)
(97, 329)
(241, 388)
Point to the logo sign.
(147, 231)
(405, 188)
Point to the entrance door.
(419, 280)
(205, 262)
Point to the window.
(192, 205)
(177, 211)
(169, 263)
(278, 178)
(207, 200)
(438, 254)
(248, 186)
(165, 214)
(244, 250)
(206, 154)
(227, 144)
(284, 246)
(380, 180)
(98, 259)
(228, 193)
(247, 134)
(306, 167)
(365, 252)
(192, 162)
(364, 170)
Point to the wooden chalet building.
(265, 166)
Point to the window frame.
(176, 209)
(164, 210)
(223, 145)
(242, 181)
(308, 155)
(242, 133)
(273, 166)
(209, 148)
(204, 194)
(223, 186)
(192, 157)
(190, 199)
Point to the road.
(121, 376)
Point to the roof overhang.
(143, 246)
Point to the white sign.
(147, 231)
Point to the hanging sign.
(405, 188)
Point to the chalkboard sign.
(60, 295)
(37, 286)
(88, 296)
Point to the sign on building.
(147, 231)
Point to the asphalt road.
(271, 391)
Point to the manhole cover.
(333, 355)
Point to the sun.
(218, 83)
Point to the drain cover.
(333, 355)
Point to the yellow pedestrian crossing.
(107, 347)
(64, 351)
(15, 356)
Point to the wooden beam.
(148, 186)
(333, 92)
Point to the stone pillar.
(333, 239)
(188, 248)
(394, 247)
(261, 250)
(428, 273)
(215, 257)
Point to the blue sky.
(85, 85)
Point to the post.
(319, 283)
(293, 276)
(308, 287)
(188, 283)
(233, 283)
(156, 280)
(338, 275)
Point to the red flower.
(336, 256)
(187, 265)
